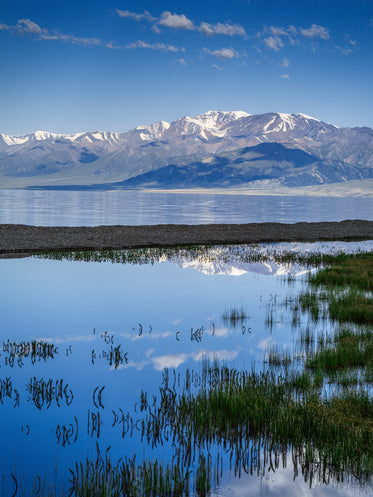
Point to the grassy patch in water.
(353, 271)
(287, 411)
(235, 316)
(244, 412)
(351, 306)
(352, 348)
(345, 287)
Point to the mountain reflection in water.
(102, 362)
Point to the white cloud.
(145, 16)
(131, 364)
(315, 31)
(218, 68)
(222, 53)
(345, 51)
(175, 21)
(169, 361)
(285, 76)
(265, 343)
(212, 355)
(222, 29)
(284, 63)
(28, 26)
(146, 336)
(274, 43)
(181, 62)
(78, 41)
(154, 46)
(276, 31)
(181, 21)
(156, 29)
(277, 37)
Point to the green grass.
(241, 410)
(277, 357)
(345, 287)
(351, 348)
(352, 271)
(351, 306)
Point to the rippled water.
(46, 208)
(104, 332)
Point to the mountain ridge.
(214, 137)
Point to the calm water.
(45, 208)
(111, 330)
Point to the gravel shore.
(17, 239)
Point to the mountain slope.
(267, 161)
(212, 149)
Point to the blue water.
(151, 312)
(66, 208)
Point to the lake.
(72, 208)
(90, 349)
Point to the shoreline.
(18, 239)
(359, 188)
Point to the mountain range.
(212, 150)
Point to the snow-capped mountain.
(212, 149)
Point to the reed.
(235, 316)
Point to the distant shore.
(360, 188)
(18, 239)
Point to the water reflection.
(69, 208)
(16, 352)
(234, 260)
(166, 358)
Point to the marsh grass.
(351, 348)
(342, 291)
(242, 410)
(36, 350)
(278, 357)
(127, 478)
(202, 253)
(235, 316)
(352, 271)
(352, 306)
(347, 286)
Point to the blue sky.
(111, 65)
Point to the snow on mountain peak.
(305, 116)
(43, 135)
(152, 131)
(281, 122)
(20, 140)
(205, 125)
(216, 118)
(209, 125)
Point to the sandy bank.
(21, 239)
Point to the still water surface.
(66, 208)
(109, 330)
